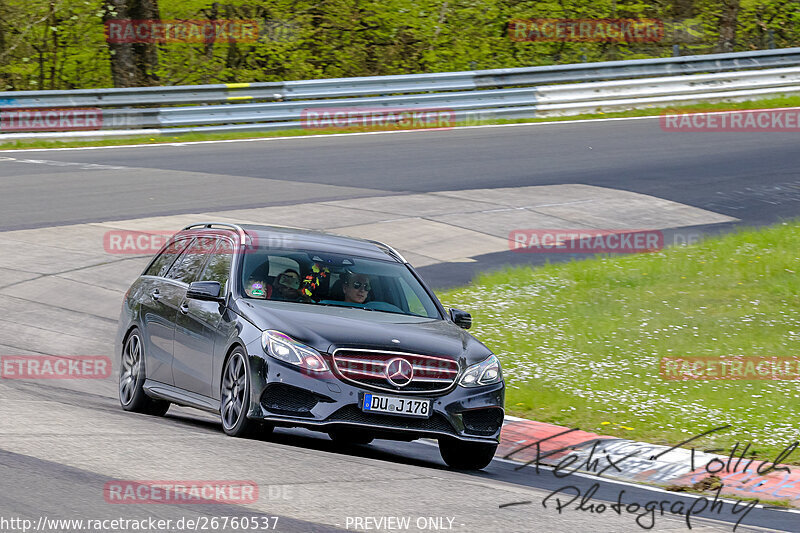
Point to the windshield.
(314, 278)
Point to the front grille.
(482, 421)
(287, 400)
(373, 368)
(352, 413)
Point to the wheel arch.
(257, 366)
(128, 333)
(235, 344)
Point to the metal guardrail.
(479, 95)
(381, 85)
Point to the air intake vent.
(483, 421)
(287, 400)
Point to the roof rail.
(390, 250)
(235, 227)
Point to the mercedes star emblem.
(399, 372)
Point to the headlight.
(288, 350)
(483, 373)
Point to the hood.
(328, 328)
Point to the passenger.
(257, 288)
(356, 287)
(287, 286)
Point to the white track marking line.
(354, 134)
(82, 166)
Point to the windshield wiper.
(343, 306)
(402, 313)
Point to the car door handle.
(155, 295)
(184, 308)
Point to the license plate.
(374, 403)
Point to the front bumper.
(284, 395)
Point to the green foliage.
(759, 19)
(52, 46)
(581, 343)
(60, 44)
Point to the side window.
(161, 265)
(218, 267)
(414, 304)
(191, 261)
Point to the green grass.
(581, 341)
(778, 102)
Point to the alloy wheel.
(234, 387)
(129, 373)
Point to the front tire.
(235, 397)
(466, 455)
(131, 379)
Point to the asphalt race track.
(752, 176)
(62, 441)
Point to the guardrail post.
(676, 50)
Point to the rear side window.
(191, 261)
(218, 267)
(161, 265)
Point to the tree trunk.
(133, 64)
(4, 79)
(212, 14)
(233, 57)
(682, 9)
(54, 37)
(727, 25)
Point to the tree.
(133, 64)
(683, 9)
(3, 53)
(727, 25)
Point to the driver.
(356, 287)
(287, 286)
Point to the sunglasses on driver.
(357, 285)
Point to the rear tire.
(466, 455)
(350, 437)
(235, 398)
(132, 374)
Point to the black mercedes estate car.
(270, 326)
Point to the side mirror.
(461, 318)
(207, 291)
